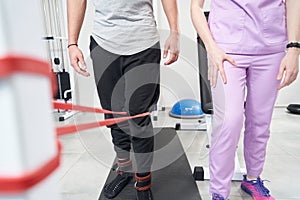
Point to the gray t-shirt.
(124, 27)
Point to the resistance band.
(10, 65)
(68, 106)
(18, 184)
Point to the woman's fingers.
(222, 72)
(213, 71)
(230, 59)
(281, 71)
(210, 66)
(286, 80)
(214, 76)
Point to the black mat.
(172, 182)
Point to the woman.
(253, 44)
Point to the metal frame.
(25, 98)
(54, 25)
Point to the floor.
(88, 156)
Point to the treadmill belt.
(172, 178)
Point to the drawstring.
(262, 188)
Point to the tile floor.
(88, 156)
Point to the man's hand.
(216, 58)
(76, 58)
(289, 68)
(171, 47)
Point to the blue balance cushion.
(187, 108)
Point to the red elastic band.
(122, 164)
(12, 185)
(12, 64)
(68, 106)
(141, 179)
(147, 187)
(64, 130)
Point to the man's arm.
(76, 11)
(172, 43)
(290, 63)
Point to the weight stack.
(63, 83)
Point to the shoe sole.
(247, 191)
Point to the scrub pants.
(258, 73)
(129, 83)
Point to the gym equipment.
(201, 173)
(187, 109)
(54, 25)
(294, 108)
(29, 152)
(156, 109)
(19, 176)
(64, 89)
(175, 181)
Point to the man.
(126, 55)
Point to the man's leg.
(142, 76)
(107, 70)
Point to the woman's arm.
(293, 20)
(216, 56)
(290, 63)
(172, 43)
(200, 23)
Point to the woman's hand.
(216, 58)
(289, 68)
(76, 57)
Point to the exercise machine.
(28, 155)
(56, 40)
(294, 108)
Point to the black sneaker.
(144, 195)
(112, 189)
(143, 187)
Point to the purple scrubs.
(254, 34)
(249, 27)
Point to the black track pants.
(129, 83)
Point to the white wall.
(179, 80)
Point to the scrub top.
(249, 27)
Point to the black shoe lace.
(263, 190)
(114, 185)
(217, 197)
